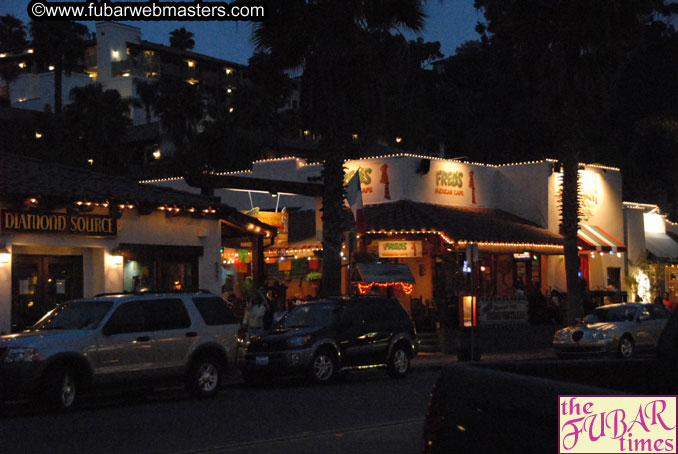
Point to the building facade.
(67, 233)
(448, 219)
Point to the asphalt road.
(369, 412)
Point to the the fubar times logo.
(617, 424)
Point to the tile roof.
(458, 223)
(56, 185)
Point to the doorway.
(40, 282)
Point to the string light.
(406, 288)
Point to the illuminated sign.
(82, 224)
(400, 249)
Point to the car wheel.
(61, 388)
(204, 375)
(323, 367)
(399, 363)
(626, 347)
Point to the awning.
(384, 273)
(661, 247)
(493, 230)
(592, 237)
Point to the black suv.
(329, 337)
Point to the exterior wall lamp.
(5, 255)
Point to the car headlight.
(599, 335)
(297, 341)
(21, 354)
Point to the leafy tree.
(181, 108)
(95, 121)
(570, 53)
(12, 36)
(337, 45)
(60, 44)
(182, 39)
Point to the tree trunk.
(574, 305)
(333, 200)
(58, 84)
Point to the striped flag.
(354, 197)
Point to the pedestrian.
(667, 302)
(256, 311)
(279, 311)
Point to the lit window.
(157, 154)
(398, 139)
(190, 63)
(90, 161)
(115, 54)
(3, 55)
(125, 74)
(355, 136)
(38, 135)
(22, 65)
(231, 110)
(228, 70)
(51, 67)
(30, 51)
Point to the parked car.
(512, 406)
(121, 339)
(617, 328)
(327, 338)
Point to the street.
(368, 412)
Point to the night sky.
(449, 21)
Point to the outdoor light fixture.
(51, 67)
(190, 63)
(157, 154)
(30, 51)
(115, 54)
(116, 260)
(398, 139)
(22, 65)
(4, 254)
(38, 135)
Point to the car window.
(310, 315)
(611, 314)
(214, 311)
(127, 318)
(75, 315)
(166, 314)
(659, 312)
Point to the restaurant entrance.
(40, 282)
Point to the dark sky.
(450, 21)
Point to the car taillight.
(433, 422)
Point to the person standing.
(253, 322)
(668, 303)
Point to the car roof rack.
(152, 292)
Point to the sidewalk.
(424, 360)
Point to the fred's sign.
(400, 249)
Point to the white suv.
(124, 338)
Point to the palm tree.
(60, 44)
(95, 120)
(182, 39)
(147, 96)
(337, 45)
(12, 36)
(181, 108)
